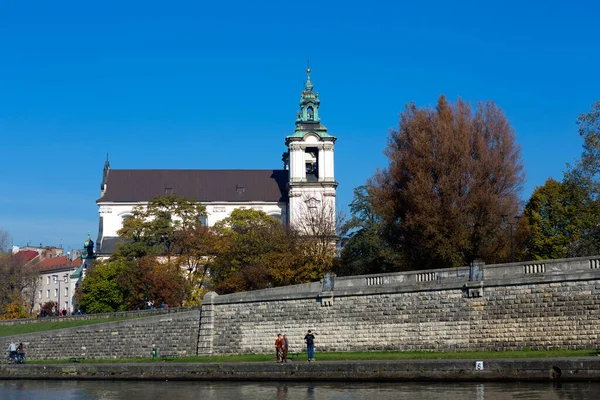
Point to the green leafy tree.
(257, 252)
(149, 264)
(557, 218)
(452, 173)
(587, 170)
(364, 249)
(563, 218)
(152, 230)
(101, 290)
(582, 187)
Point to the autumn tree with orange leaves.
(256, 252)
(453, 171)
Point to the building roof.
(77, 273)
(123, 185)
(108, 245)
(26, 255)
(58, 263)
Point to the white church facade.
(305, 185)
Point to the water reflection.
(109, 390)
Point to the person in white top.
(12, 349)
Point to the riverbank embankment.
(531, 369)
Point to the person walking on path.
(20, 354)
(279, 348)
(12, 351)
(285, 348)
(310, 345)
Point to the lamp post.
(65, 277)
(67, 309)
(511, 226)
(58, 300)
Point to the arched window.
(310, 113)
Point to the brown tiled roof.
(124, 185)
(26, 255)
(58, 263)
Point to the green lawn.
(364, 355)
(21, 329)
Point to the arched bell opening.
(311, 163)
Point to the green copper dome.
(307, 119)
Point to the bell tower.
(311, 183)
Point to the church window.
(310, 113)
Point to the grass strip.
(353, 356)
(21, 329)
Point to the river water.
(170, 390)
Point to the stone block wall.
(408, 321)
(543, 305)
(175, 333)
(558, 315)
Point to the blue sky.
(211, 85)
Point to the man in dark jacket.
(310, 345)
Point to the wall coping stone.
(512, 274)
(101, 326)
(117, 314)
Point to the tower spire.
(309, 85)
(104, 176)
(309, 103)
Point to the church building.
(305, 186)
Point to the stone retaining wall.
(542, 305)
(175, 333)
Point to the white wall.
(66, 302)
(300, 195)
(114, 213)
